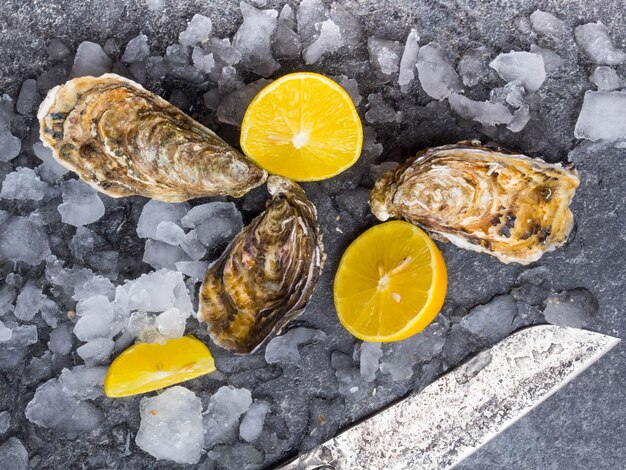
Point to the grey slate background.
(584, 425)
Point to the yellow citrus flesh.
(145, 367)
(390, 284)
(303, 126)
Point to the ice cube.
(9, 146)
(491, 321)
(349, 27)
(28, 97)
(512, 93)
(369, 361)
(223, 412)
(97, 285)
(232, 108)
(159, 291)
(137, 49)
(44, 154)
(83, 382)
(594, 40)
(254, 40)
(224, 51)
(380, 111)
(13, 454)
(198, 31)
(61, 339)
(170, 233)
(193, 247)
(202, 61)
(162, 255)
(603, 116)
(284, 348)
(574, 308)
(252, 423)
(606, 79)
(214, 222)
(328, 41)
(52, 408)
(177, 54)
(96, 351)
(384, 56)
(437, 77)
(155, 212)
(96, 320)
(5, 422)
(171, 426)
(156, 67)
(91, 60)
(171, 323)
(287, 16)
(520, 119)
(472, 66)
(408, 61)
(310, 13)
(22, 240)
(29, 302)
(547, 24)
(187, 73)
(351, 86)
(5, 333)
(485, 112)
(524, 66)
(81, 204)
(551, 60)
(57, 50)
(285, 41)
(23, 184)
(194, 269)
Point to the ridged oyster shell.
(267, 274)
(124, 140)
(482, 199)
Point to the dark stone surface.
(580, 427)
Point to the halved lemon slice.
(391, 283)
(145, 367)
(303, 126)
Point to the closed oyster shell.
(507, 205)
(267, 274)
(124, 140)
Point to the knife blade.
(465, 408)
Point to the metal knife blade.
(464, 409)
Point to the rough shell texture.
(124, 141)
(510, 206)
(267, 274)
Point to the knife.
(465, 408)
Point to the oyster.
(267, 274)
(124, 140)
(507, 205)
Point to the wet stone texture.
(83, 275)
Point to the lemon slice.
(390, 284)
(145, 367)
(303, 126)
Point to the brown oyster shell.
(483, 199)
(124, 141)
(267, 274)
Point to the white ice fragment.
(202, 61)
(28, 97)
(5, 422)
(159, 291)
(10, 146)
(171, 426)
(90, 60)
(171, 323)
(437, 76)
(594, 40)
(5, 333)
(252, 423)
(155, 212)
(96, 319)
(29, 302)
(96, 351)
(520, 119)
(380, 111)
(194, 269)
(328, 41)
(193, 247)
(137, 49)
(97, 285)
(310, 13)
(493, 320)
(215, 222)
(61, 339)
(408, 61)
(23, 184)
(351, 86)
(163, 255)
(52, 408)
(232, 108)
(223, 412)
(512, 93)
(485, 112)
(285, 41)
(198, 31)
(83, 382)
(156, 67)
(551, 60)
(603, 116)
(524, 66)
(13, 454)
(574, 308)
(472, 66)
(606, 79)
(170, 233)
(81, 204)
(384, 56)
(254, 40)
(547, 24)
(369, 361)
(284, 348)
(22, 240)
(349, 27)
(44, 154)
